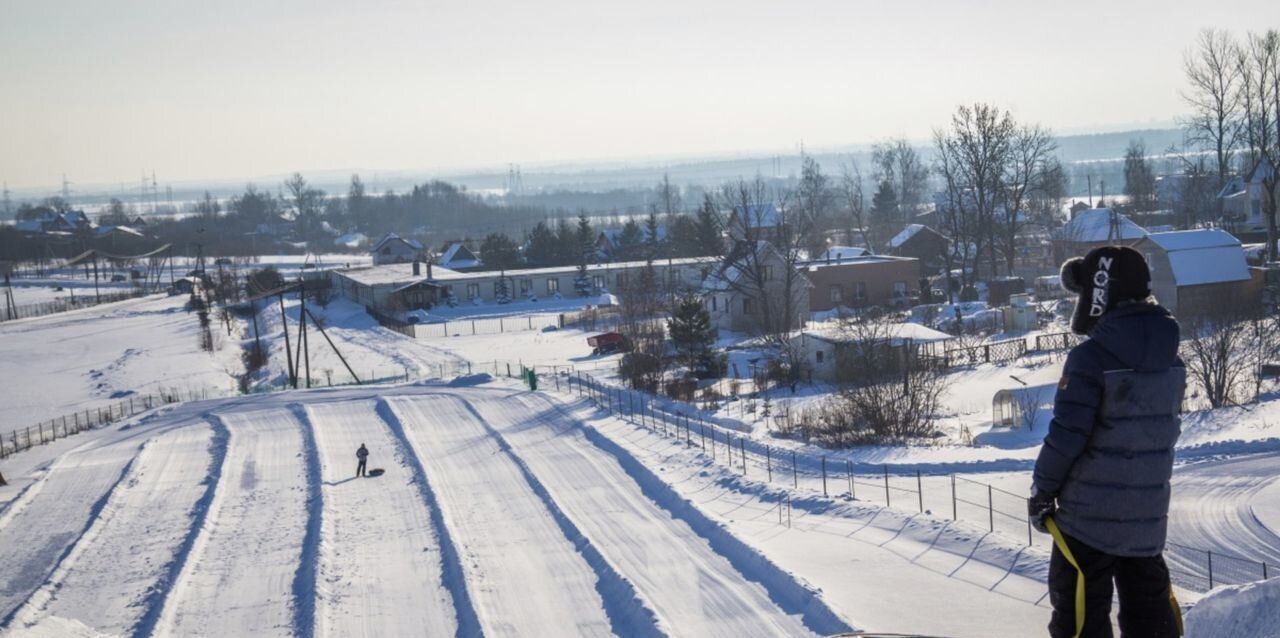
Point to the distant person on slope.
(363, 455)
(1102, 476)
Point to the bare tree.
(1139, 178)
(1030, 149)
(1259, 64)
(1214, 95)
(814, 200)
(850, 192)
(668, 197)
(897, 162)
(977, 149)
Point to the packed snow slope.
(494, 513)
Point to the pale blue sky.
(235, 89)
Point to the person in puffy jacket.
(1103, 471)
(362, 455)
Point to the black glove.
(1039, 507)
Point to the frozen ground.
(91, 357)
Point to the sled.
(377, 471)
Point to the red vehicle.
(606, 342)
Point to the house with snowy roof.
(749, 289)
(922, 243)
(458, 257)
(754, 222)
(394, 249)
(835, 353)
(1202, 272)
(1092, 228)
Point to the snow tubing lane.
(452, 576)
(782, 587)
(304, 579)
(628, 613)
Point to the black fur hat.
(1103, 279)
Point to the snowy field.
(94, 356)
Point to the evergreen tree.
(682, 236)
(585, 239)
(627, 247)
(691, 332)
(544, 246)
(651, 240)
(708, 222)
(582, 282)
(502, 293)
(499, 251)
(567, 251)
(884, 213)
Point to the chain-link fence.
(945, 495)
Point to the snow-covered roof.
(905, 234)
(394, 237)
(103, 231)
(849, 261)
(1205, 256)
(459, 256)
(1094, 225)
(400, 274)
(1233, 187)
(350, 240)
(841, 252)
(833, 332)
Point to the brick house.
(922, 243)
(862, 282)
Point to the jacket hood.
(1143, 336)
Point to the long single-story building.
(393, 288)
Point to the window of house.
(497, 287)
(597, 281)
(553, 285)
(860, 291)
(836, 293)
(713, 304)
(899, 289)
(473, 291)
(820, 355)
(526, 286)
(766, 273)
(748, 306)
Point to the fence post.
(1029, 541)
(729, 446)
(886, 486)
(768, 466)
(1210, 554)
(742, 451)
(702, 432)
(953, 498)
(848, 466)
(991, 510)
(795, 475)
(824, 475)
(920, 491)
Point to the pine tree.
(651, 240)
(502, 294)
(543, 246)
(582, 283)
(584, 238)
(884, 213)
(691, 332)
(709, 241)
(627, 247)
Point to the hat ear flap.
(1073, 278)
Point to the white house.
(394, 249)
(458, 257)
(823, 347)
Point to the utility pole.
(66, 189)
(8, 204)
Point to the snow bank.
(1242, 611)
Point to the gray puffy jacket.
(1109, 453)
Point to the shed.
(1199, 272)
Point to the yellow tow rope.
(1061, 543)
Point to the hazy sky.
(231, 89)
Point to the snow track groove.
(452, 575)
(508, 484)
(304, 579)
(379, 562)
(63, 509)
(236, 578)
(696, 575)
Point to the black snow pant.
(1142, 585)
(360, 468)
